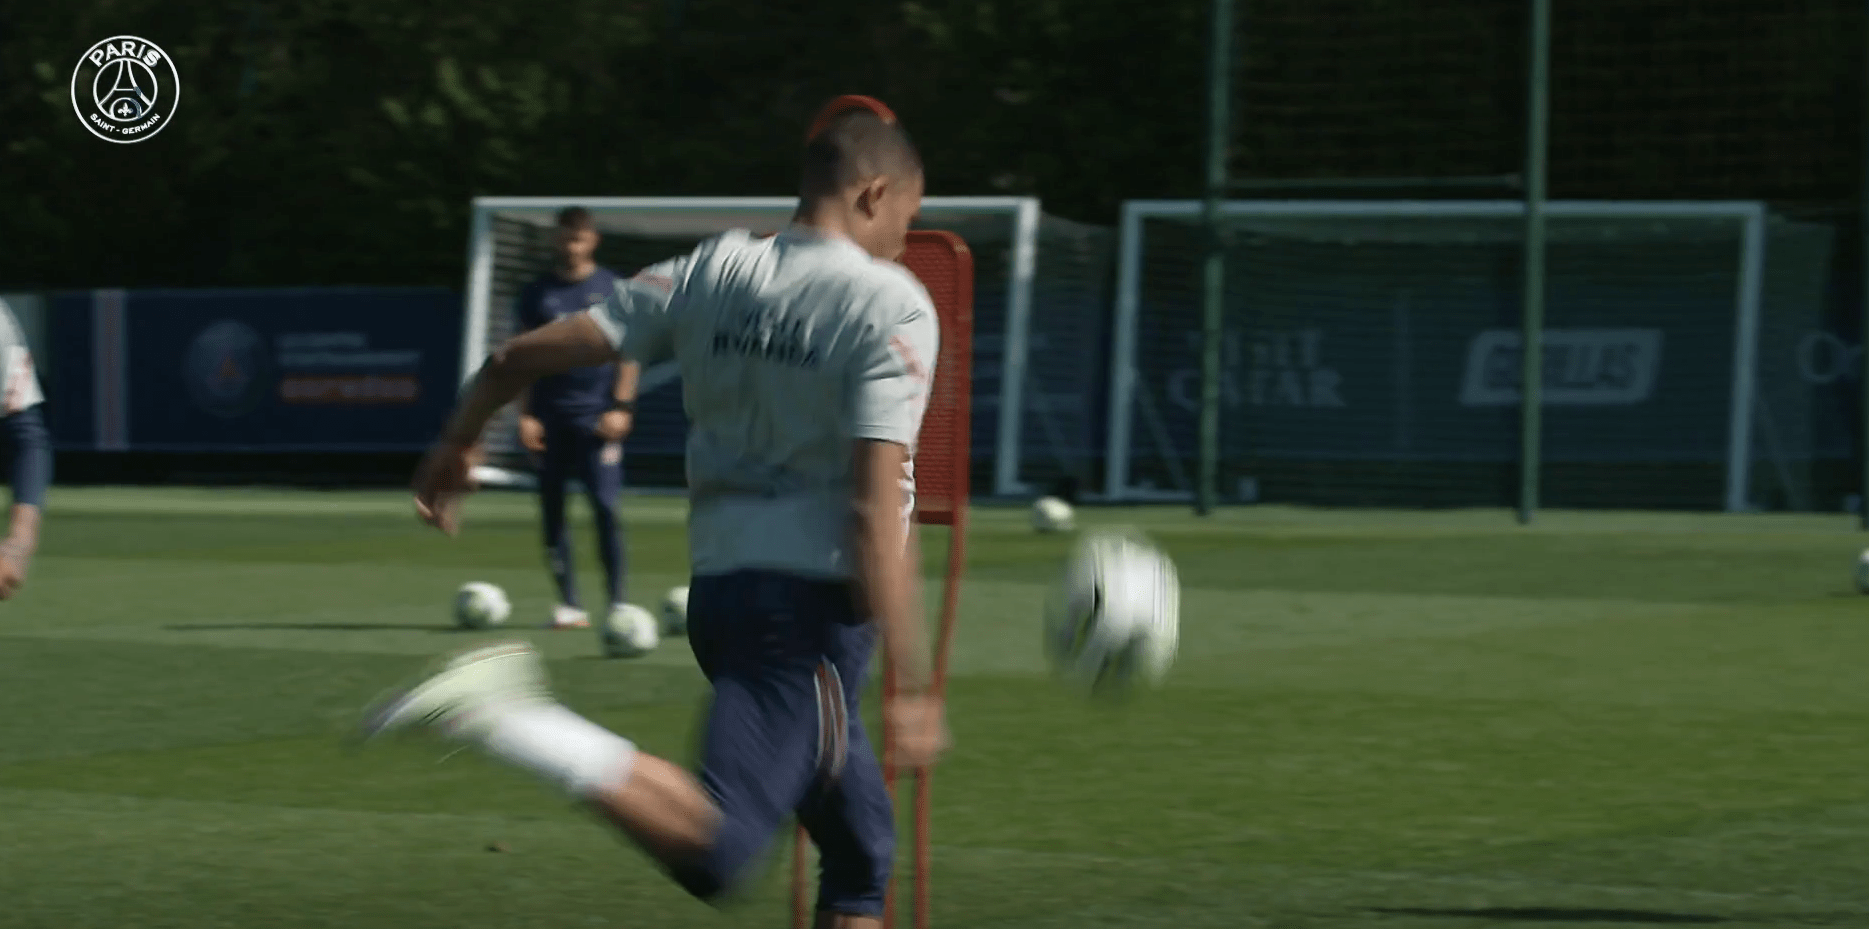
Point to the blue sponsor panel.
(327, 369)
(69, 381)
(1413, 354)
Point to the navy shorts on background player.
(586, 456)
(783, 735)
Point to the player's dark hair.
(854, 147)
(576, 218)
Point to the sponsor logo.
(231, 369)
(1264, 369)
(1582, 367)
(350, 389)
(328, 350)
(125, 89)
(342, 369)
(227, 368)
(1825, 359)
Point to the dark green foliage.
(338, 141)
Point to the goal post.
(1031, 269)
(1375, 340)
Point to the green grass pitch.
(1398, 720)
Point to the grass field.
(1379, 719)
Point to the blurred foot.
(568, 617)
(462, 698)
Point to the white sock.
(571, 752)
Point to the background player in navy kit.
(574, 422)
(806, 362)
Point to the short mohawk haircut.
(853, 146)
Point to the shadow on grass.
(315, 627)
(1552, 914)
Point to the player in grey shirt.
(806, 360)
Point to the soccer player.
(806, 360)
(575, 421)
(20, 398)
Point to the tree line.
(339, 141)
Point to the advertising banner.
(1412, 360)
(339, 369)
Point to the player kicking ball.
(806, 362)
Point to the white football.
(480, 605)
(675, 612)
(1050, 514)
(1862, 572)
(628, 632)
(1115, 615)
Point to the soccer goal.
(1371, 350)
(1041, 283)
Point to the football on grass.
(629, 631)
(1862, 572)
(675, 612)
(480, 605)
(1114, 617)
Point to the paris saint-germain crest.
(125, 89)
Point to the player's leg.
(601, 470)
(496, 697)
(556, 466)
(759, 637)
(759, 753)
(850, 819)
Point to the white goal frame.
(701, 216)
(1750, 215)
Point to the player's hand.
(14, 560)
(532, 433)
(443, 479)
(614, 425)
(917, 729)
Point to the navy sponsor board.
(1402, 360)
(324, 369)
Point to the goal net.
(1040, 293)
(1371, 353)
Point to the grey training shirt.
(790, 348)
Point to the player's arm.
(633, 325)
(629, 376)
(890, 396)
(616, 421)
(445, 475)
(554, 348)
(527, 317)
(32, 474)
(888, 575)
